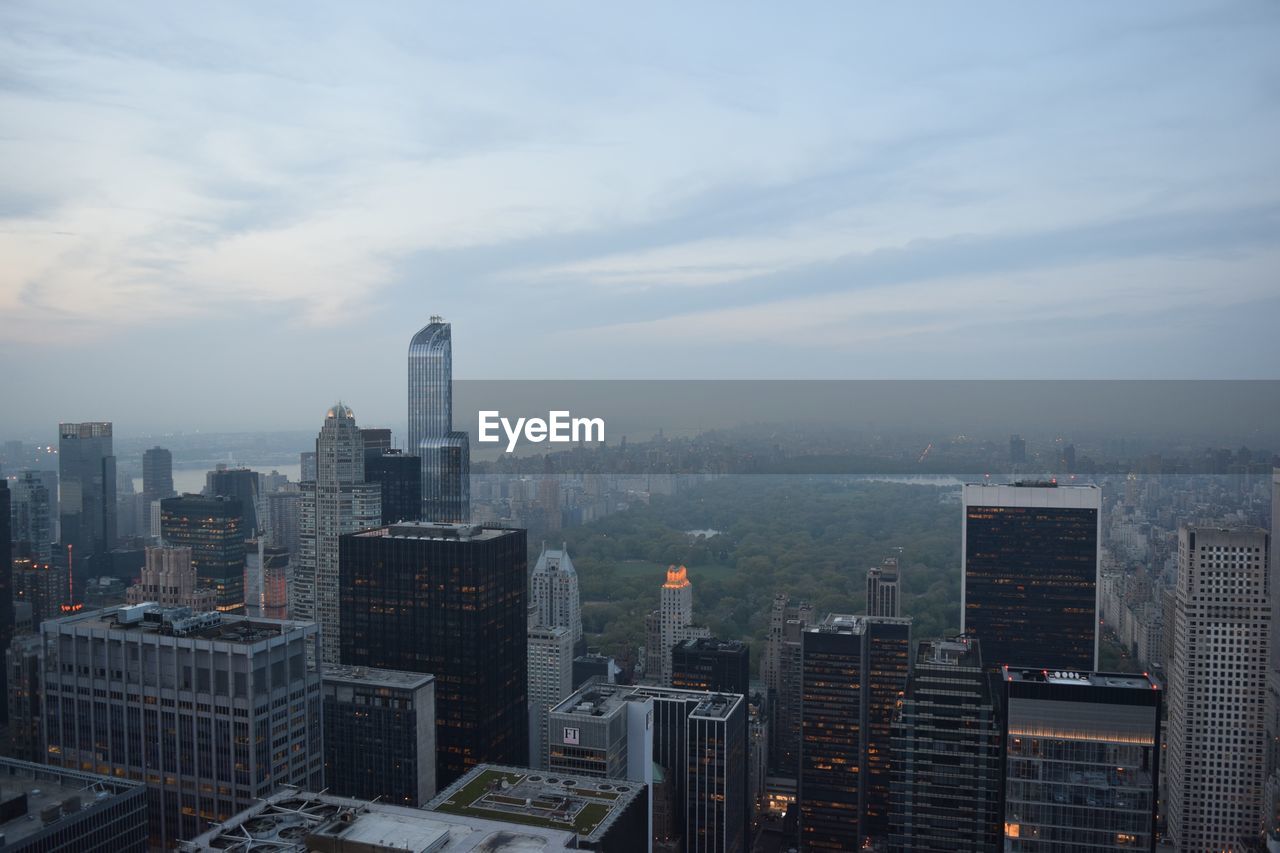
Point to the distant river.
(192, 479)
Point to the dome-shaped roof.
(341, 411)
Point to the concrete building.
(1217, 687)
(1081, 765)
(31, 516)
(670, 624)
(338, 501)
(42, 585)
(284, 519)
(169, 579)
(782, 672)
(52, 810)
(1030, 565)
(550, 681)
(884, 593)
(553, 592)
(379, 734)
(211, 711)
(944, 792)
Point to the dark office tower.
(855, 669)
(87, 493)
(307, 466)
(1017, 450)
(212, 527)
(379, 734)
(6, 591)
(445, 455)
(157, 474)
(24, 697)
(945, 789)
(884, 589)
(705, 663)
(1082, 762)
(1030, 570)
(445, 599)
(31, 517)
(377, 441)
(400, 477)
(240, 483)
(781, 671)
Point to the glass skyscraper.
(87, 491)
(444, 453)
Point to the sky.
(228, 216)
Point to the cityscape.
(711, 428)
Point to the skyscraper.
(671, 623)
(855, 669)
(157, 474)
(447, 599)
(6, 592)
(267, 575)
(1217, 687)
(553, 587)
(1029, 580)
(338, 501)
(1082, 761)
(782, 671)
(550, 680)
(87, 492)
(239, 483)
(212, 711)
(400, 478)
(212, 529)
(883, 589)
(444, 453)
(169, 579)
(31, 517)
(945, 780)
(706, 663)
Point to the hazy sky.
(229, 215)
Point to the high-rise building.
(447, 599)
(169, 579)
(782, 672)
(42, 585)
(884, 589)
(670, 624)
(1082, 761)
(338, 501)
(31, 516)
(306, 466)
(707, 663)
(379, 734)
(6, 590)
(51, 810)
(157, 474)
(212, 711)
(212, 528)
(86, 493)
(377, 441)
(445, 454)
(553, 588)
(239, 483)
(284, 519)
(400, 478)
(1029, 579)
(1217, 687)
(855, 670)
(945, 780)
(267, 573)
(550, 680)
(25, 698)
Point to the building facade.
(399, 475)
(211, 711)
(338, 501)
(379, 734)
(447, 599)
(1082, 761)
(169, 579)
(240, 483)
(670, 624)
(86, 492)
(782, 672)
(1031, 560)
(553, 589)
(707, 663)
(31, 517)
(213, 529)
(268, 574)
(1217, 687)
(157, 474)
(53, 810)
(550, 681)
(444, 454)
(884, 589)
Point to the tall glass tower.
(445, 454)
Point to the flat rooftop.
(595, 699)
(46, 787)
(182, 622)
(583, 805)
(396, 678)
(435, 530)
(1121, 680)
(959, 652)
(290, 820)
(844, 623)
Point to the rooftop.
(712, 644)
(595, 699)
(1122, 680)
(582, 805)
(52, 795)
(844, 623)
(151, 618)
(959, 652)
(717, 706)
(377, 677)
(292, 821)
(435, 530)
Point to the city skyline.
(865, 211)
